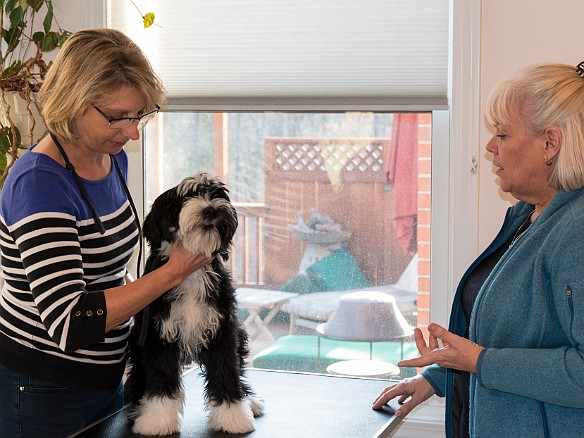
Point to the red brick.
(423, 217)
(424, 301)
(424, 150)
(425, 118)
(424, 167)
(424, 200)
(424, 234)
(424, 184)
(424, 134)
(424, 268)
(423, 284)
(423, 317)
(424, 251)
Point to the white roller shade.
(278, 52)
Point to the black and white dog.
(194, 322)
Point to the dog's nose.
(209, 212)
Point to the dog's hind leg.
(160, 409)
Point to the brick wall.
(424, 204)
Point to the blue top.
(56, 266)
(529, 316)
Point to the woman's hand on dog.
(122, 302)
(181, 263)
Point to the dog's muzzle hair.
(204, 224)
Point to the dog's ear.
(151, 231)
(161, 222)
(227, 231)
(224, 253)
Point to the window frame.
(454, 216)
(447, 213)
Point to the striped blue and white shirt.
(55, 266)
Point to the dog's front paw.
(158, 416)
(235, 417)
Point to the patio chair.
(311, 309)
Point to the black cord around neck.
(134, 210)
(98, 222)
(80, 184)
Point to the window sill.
(425, 421)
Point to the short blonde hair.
(541, 96)
(92, 67)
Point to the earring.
(547, 161)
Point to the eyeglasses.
(124, 122)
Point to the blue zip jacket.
(529, 316)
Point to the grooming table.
(296, 405)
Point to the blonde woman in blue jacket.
(512, 359)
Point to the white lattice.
(331, 156)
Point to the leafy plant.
(23, 68)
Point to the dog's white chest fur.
(191, 321)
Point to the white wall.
(516, 33)
(75, 15)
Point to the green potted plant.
(23, 67)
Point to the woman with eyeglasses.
(68, 229)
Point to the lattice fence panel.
(335, 158)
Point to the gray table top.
(296, 405)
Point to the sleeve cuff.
(427, 374)
(479, 365)
(87, 321)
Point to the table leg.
(262, 329)
(251, 319)
(253, 313)
(261, 325)
(272, 313)
(319, 368)
(292, 324)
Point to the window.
(328, 204)
(269, 113)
